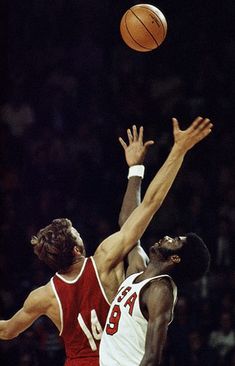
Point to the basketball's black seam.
(144, 7)
(145, 27)
(149, 49)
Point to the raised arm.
(135, 152)
(113, 249)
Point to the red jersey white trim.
(59, 303)
(98, 278)
(83, 307)
(76, 278)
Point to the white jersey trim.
(76, 278)
(60, 306)
(99, 281)
(147, 280)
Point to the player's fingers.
(148, 143)
(175, 124)
(141, 133)
(130, 137)
(204, 133)
(204, 125)
(122, 142)
(135, 133)
(195, 124)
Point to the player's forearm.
(137, 259)
(164, 179)
(133, 229)
(151, 359)
(154, 350)
(131, 199)
(5, 332)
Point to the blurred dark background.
(70, 87)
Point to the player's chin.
(153, 249)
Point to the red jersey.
(83, 312)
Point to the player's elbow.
(6, 335)
(151, 359)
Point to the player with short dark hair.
(137, 323)
(194, 258)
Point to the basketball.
(143, 27)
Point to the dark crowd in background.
(72, 87)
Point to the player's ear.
(175, 258)
(76, 250)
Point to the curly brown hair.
(54, 244)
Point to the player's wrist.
(136, 171)
(179, 149)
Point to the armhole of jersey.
(60, 306)
(174, 290)
(174, 293)
(98, 279)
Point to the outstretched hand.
(136, 150)
(197, 131)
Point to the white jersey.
(123, 339)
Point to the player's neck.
(75, 268)
(153, 270)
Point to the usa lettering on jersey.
(126, 301)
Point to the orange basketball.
(143, 27)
